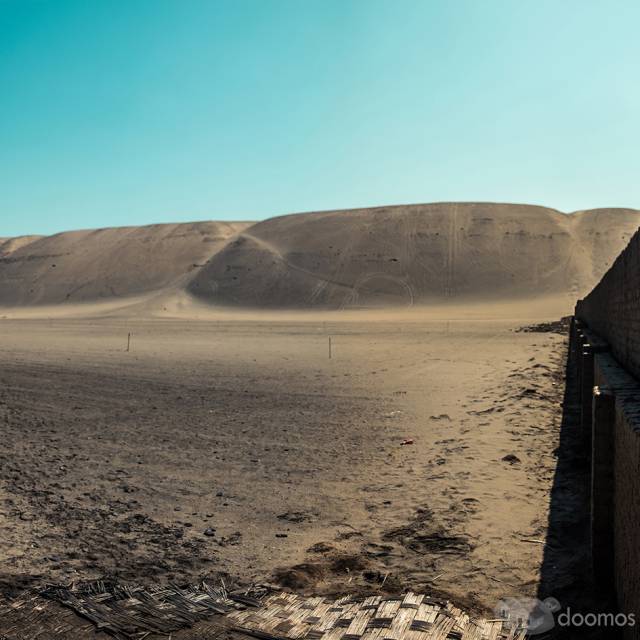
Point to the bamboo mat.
(100, 610)
(120, 611)
(407, 617)
(32, 617)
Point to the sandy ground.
(236, 446)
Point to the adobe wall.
(612, 309)
(623, 509)
(607, 332)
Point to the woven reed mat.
(122, 612)
(100, 610)
(408, 617)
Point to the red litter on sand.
(407, 441)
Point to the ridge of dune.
(390, 256)
(599, 233)
(9, 245)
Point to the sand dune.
(92, 265)
(365, 258)
(407, 255)
(9, 245)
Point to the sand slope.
(602, 234)
(9, 245)
(96, 264)
(415, 254)
(382, 257)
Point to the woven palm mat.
(408, 617)
(136, 613)
(123, 612)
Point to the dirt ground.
(420, 455)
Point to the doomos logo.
(533, 615)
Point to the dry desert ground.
(420, 455)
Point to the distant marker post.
(128, 341)
(329, 347)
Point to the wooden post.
(128, 341)
(329, 347)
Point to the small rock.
(511, 459)
(209, 532)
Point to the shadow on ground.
(566, 568)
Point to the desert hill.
(8, 245)
(377, 257)
(406, 255)
(81, 266)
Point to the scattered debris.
(320, 547)
(425, 536)
(296, 516)
(231, 541)
(558, 326)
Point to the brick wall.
(612, 312)
(624, 508)
(627, 517)
(612, 309)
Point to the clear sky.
(116, 112)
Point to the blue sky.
(117, 112)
